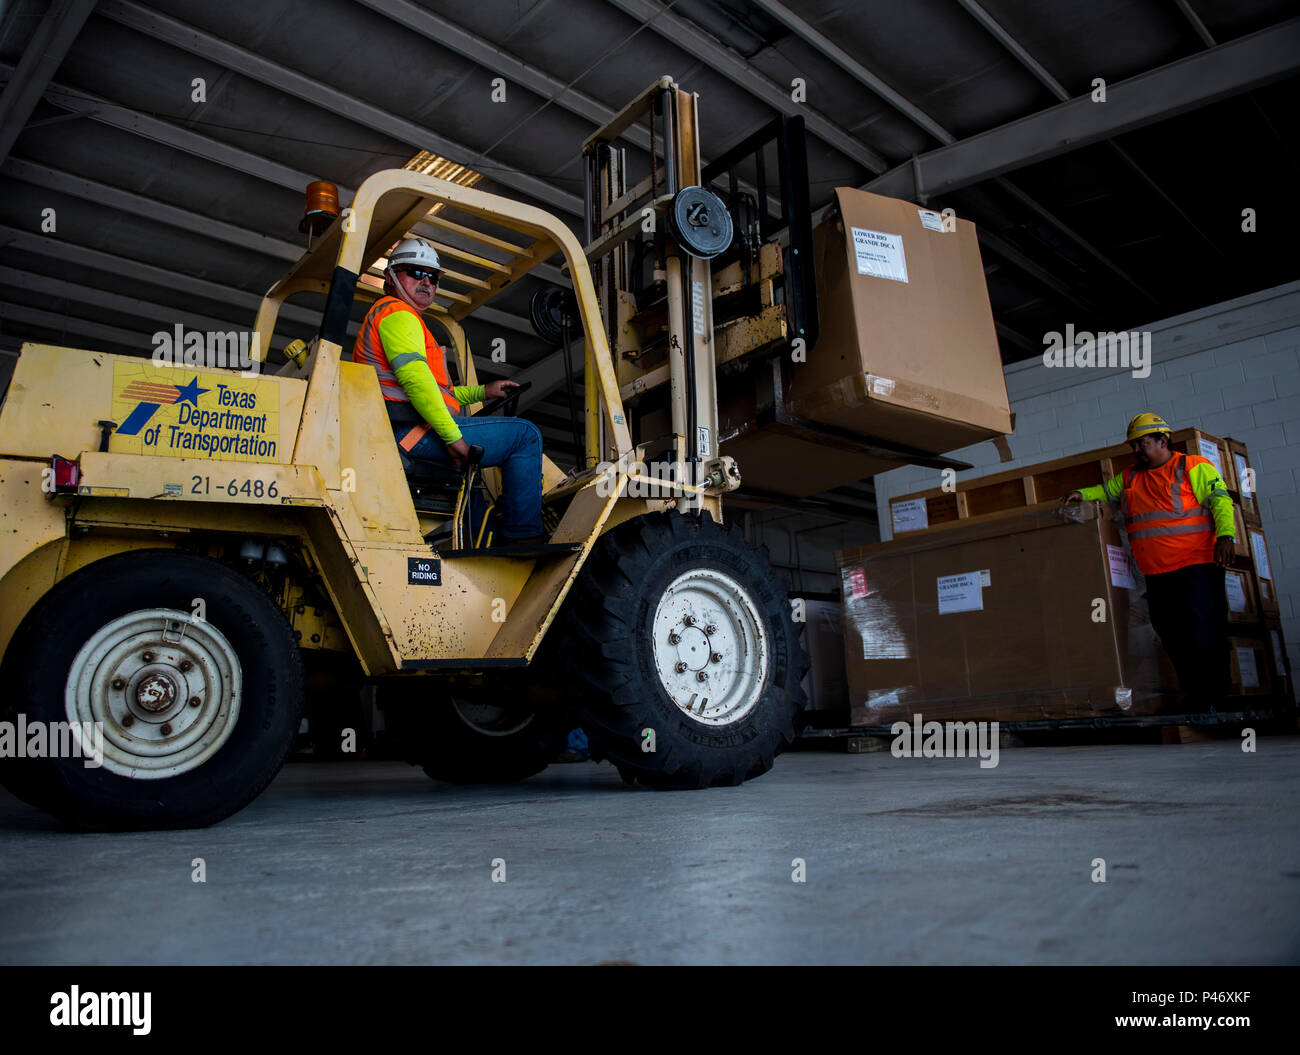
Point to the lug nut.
(195, 701)
(710, 630)
(119, 684)
(674, 638)
(128, 720)
(689, 620)
(185, 664)
(702, 676)
(680, 667)
(716, 657)
(147, 657)
(166, 729)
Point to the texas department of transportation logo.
(180, 414)
(152, 395)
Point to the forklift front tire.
(683, 654)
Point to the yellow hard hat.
(1145, 425)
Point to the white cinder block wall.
(1232, 369)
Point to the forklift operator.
(413, 369)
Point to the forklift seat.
(433, 487)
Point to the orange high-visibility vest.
(1167, 527)
(369, 349)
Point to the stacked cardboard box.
(1018, 616)
(1258, 652)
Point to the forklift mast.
(650, 246)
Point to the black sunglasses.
(421, 273)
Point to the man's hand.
(1223, 551)
(459, 452)
(497, 389)
(1073, 496)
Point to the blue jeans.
(513, 444)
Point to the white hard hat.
(414, 252)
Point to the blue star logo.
(190, 392)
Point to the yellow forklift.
(176, 537)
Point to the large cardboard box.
(907, 355)
(1251, 666)
(1023, 616)
(907, 351)
(1243, 603)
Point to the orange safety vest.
(1167, 527)
(369, 349)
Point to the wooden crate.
(1032, 484)
(1243, 596)
(1263, 570)
(1279, 662)
(1245, 494)
(1251, 666)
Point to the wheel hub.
(710, 647)
(165, 688)
(156, 692)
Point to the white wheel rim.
(165, 687)
(707, 624)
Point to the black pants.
(1189, 610)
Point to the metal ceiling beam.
(192, 223)
(196, 145)
(309, 89)
(694, 41)
(455, 38)
(1196, 22)
(149, 208)
(1004, 37)
(41, 60)
(79, 293)
(1198, 80)
(914, 113)
(69, 324)
(851, 66)
(497, 60)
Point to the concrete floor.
(908, 861)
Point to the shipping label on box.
(879, 254)
(1236, 592)
(931, 220)
(1246, 665)
(910, 515)
(1209, 449)
(960, 593)
(1121, 573)
(1244, 474)
(1260, 553)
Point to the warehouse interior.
(1115, 167)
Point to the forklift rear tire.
(680, 646)
(476, 742)
(197, 714)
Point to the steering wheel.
(509, 402)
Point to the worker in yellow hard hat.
(1179, 519)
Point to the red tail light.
(67, 475)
